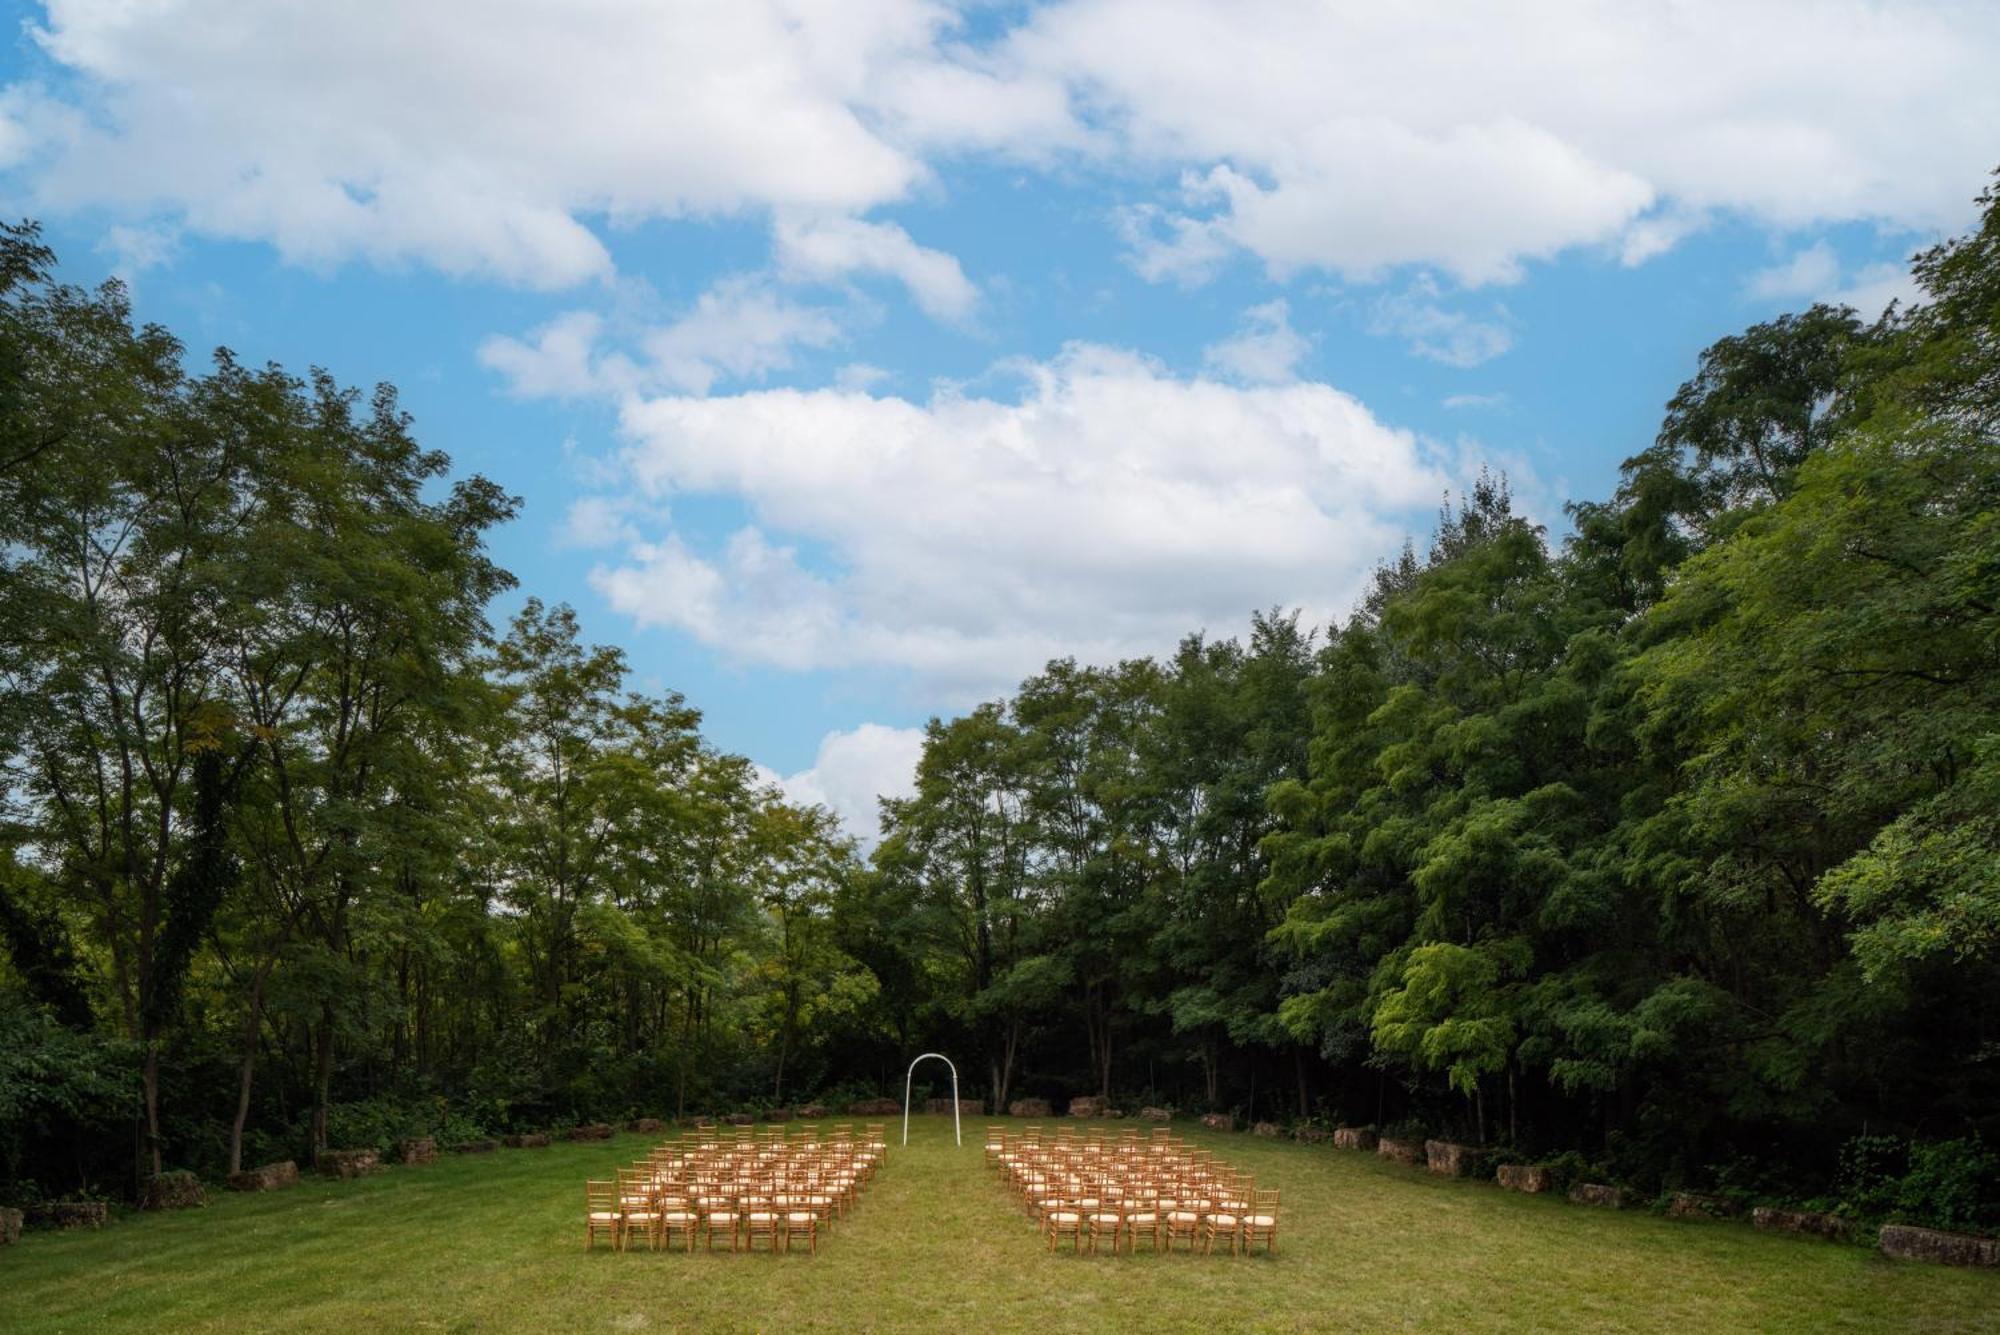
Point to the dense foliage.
(1672, 848)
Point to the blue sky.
(852, 359)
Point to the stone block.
(1530, 1178)
(646, 1125)
(1157, 1114)
(417, 1149)
(1219, 1121)
(1354, 1137)
(875, 1108)
(1030, 1108)
(1451, 1159)
(1308, 1134)
(1268, 1130)
(475, 1147)
(10, 1227)
(1812, 1223)
(268, 1177)
(66, 1215)
(348, 1163)
(966, 1107)
(777, 1114)
(591, 1131)
(180, 1190)
(812, 1112)
(1401, 1151)
(1600, 1194)
(1929, 1244)
(526, 1140)
(1696, 1205)
(1088, 1105)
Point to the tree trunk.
(246, 1068)
(322, 1077)
(152, 1077)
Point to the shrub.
(1948, 1184)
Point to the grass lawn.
(494, 1242)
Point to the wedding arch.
(910, 1074)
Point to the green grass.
(493, 1242)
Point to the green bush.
(1950, 1184)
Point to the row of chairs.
(1098, 1192)
(709, 1185)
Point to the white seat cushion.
(1262, 1221)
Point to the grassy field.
(493, 1242)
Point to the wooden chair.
(1062, 1219)
(602, 1215)
(761, 1219)
(1262, 1221)
(1184, 1219)
(801, 1220)
(718, 1211)
(1105, 1219)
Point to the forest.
(1667, 844)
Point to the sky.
(854, 358)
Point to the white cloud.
(1480, 402)
(1436, 332)
(1265, 351)
(824, 249)
(1469, 138)
(852, 770)
(966, 540)
(1870, 289)
(500, 138)
(742, 328)
(1812, 272)
(1817, 274)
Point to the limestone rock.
(1354, 1137)
(1269, 1130)
(966, 1107)
(417, 1149)
(68, 1214)
(179, 1190)
(1600, 1194)
(475, 1147)
(1029, 1108)
(269, 1177)
(1451, 1159)
(777, 1114)
(1088, 1105)
(1308, 1134)
(10, 1227)
(646, 1125)
(1401, 1151)
(1695, 1205)
(348, 1163)
(526, 1140)
(1530, 1178)
(591, 1131)
(1929, 1244)
(811, 1112)
(1219, 1121)
(875, 1108)
(739, 1119)
(1813, 1223)
(1157, 1114)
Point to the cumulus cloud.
(1265, 351)
(853, 770)
(1812, 272)
(830, 248)
(742, 328)
(1437, 332)
(1107, 510)
(1470, 138)
(499, 139)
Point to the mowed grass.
(494, 1242)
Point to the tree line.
(1671, 845)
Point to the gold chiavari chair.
(601, 1214)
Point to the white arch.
(910, 1074)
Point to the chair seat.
(1223, 1220)
(799, 1216)
(604, 1216)
(1064, 1217)
(1262, 1221)
(678, 1217)
(1105, 1218)
(1143, 1217)
(1183, 1217)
